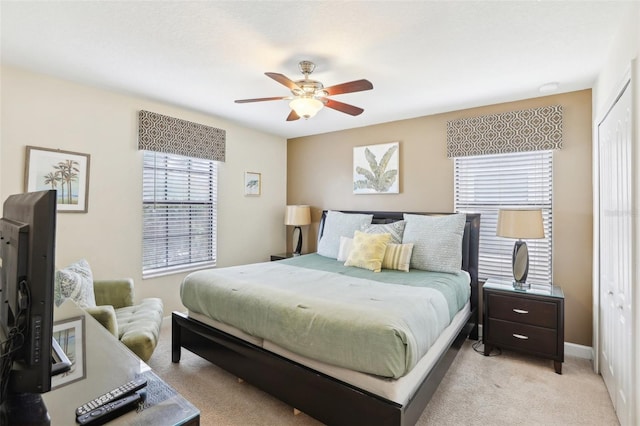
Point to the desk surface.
(107, 365)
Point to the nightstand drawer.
(523, 310)
(538, 340)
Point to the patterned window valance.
(161, 133)
(535, 129)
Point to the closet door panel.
(616, 253)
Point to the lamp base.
(521, 285)
(298, 249)
(520, 262)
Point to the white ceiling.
(422, 57)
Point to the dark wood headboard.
(470, 240)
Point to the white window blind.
(179, 213)
(484, 184)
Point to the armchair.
(111, 303)
(137, 326)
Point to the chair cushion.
(106, 316)
(115, 292)
(139, 326)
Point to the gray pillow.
(336, 225)
(396, 229)
(75, 282)
(437, 241)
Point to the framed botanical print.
(252, 183)
(376, 169)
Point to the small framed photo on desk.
(70, 335)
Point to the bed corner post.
(175, 338)
(474, 246)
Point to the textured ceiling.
(422, 57)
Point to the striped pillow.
(397, 256)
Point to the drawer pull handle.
(520, 336)
(520, 311)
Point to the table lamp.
(520, 224)
(298, 216)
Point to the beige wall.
(52, 113)
(320, 174)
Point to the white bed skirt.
(397, 390)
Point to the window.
(484, 184)
(179, 213)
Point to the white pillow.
(75, 282)
(345, 248)
(437, 241)
(336, 225)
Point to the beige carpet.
(507, 389)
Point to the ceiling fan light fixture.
(310, 96)
(306, 107)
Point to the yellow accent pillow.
(397, 256)
(368, 251)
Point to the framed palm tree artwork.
(376, 169)
(65, 171)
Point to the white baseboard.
(579, 351)
(571, 349)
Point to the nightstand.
(281, 256)
(529, 321)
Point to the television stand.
(22, 409)
(102, 364)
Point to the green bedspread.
(378, 323)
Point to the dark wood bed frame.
(325, 398)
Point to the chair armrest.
(117, 293)
(106, 316)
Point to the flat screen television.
(27, 249)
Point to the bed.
(323, 388)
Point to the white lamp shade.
(297, 215)
(520, 224)
(306, 107)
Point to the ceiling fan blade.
(350, 87)
(282, 79)
(244, 101)
(293, 116)
(342, 107)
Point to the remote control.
(110, 411)
(119, 392)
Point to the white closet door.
(616, 244)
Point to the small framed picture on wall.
(252, 183)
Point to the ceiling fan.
(309, 96)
